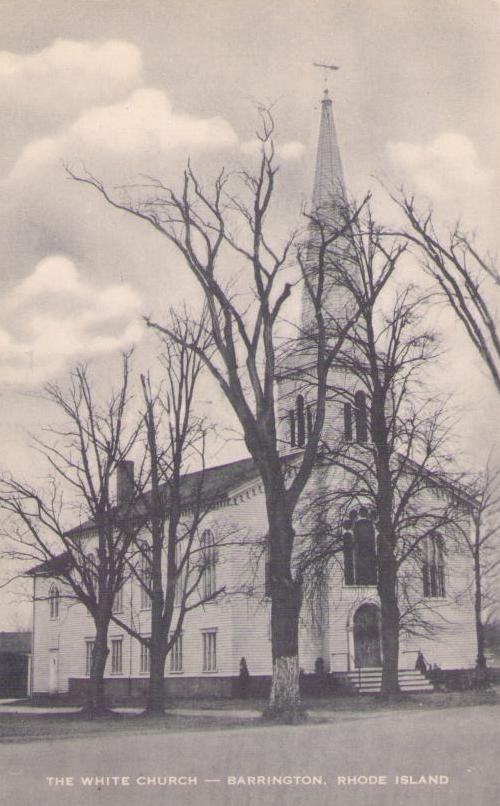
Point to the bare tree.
(211, 231)
(393, 451)
(465, 278)
(482, 542)
(173, 567)
(82, 455)
(469, 282)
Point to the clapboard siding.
(242, 622)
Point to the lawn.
(219, 714)
(45, 727)
(354, 703)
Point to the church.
(342, 638)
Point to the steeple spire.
(328, 189)
(329, 208)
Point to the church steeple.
(328, 206)
(327, 212)
(328, 189)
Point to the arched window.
(365, 556)
(310, 420)
(291, 420)
(347, 422)
(301, 424)
(349, 577)
(360, 554)
(91, 565)
(54, 598)
(361, 417)
(209, 559)
(433, 575)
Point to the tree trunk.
(390, 646)
(286, 600)
(285, 692)
(389, 610)
(387, 570)
(156, 691)
(284, 700)
(96, 700)
(481, 657)
(286, 592)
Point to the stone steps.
(368, 680)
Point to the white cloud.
(141, 125)
(441, 167)
(54, 275)
(52, 318)
(68, 75)
(292, 150)
(146, 120)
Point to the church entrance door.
(366, 633)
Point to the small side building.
(15, 664)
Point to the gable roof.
(53, 566)
(215, 483)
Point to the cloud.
(291, 150)
(441, 167)
(143, 124)
(67, 76)
(54, 275)
(52, 318)
(146, 120)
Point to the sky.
(131, 88)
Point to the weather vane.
(326, 68)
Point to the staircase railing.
(413, 652)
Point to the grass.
(44, 727)
(354, 703)
(47, 727)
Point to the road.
(461, 745)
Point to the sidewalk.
(11, 707)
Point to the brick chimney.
(124, 482)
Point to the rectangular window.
(116, 656)
(210, 651)
(89, 652)
(145, 662)
(118, 601)
(176, 656)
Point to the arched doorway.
(366, 635)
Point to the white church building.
(344, 633)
